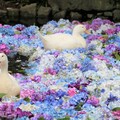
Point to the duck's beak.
(87, 32)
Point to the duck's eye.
(2, 55)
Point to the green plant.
(66, 118)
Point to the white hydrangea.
(47, 61)
(91, 74)
(75, 73)
(57, 87)
(28, 107)
(114, 104)
(97, 46)
(25, 50)
(82, 55)
(93, 114)
(104, 96)
(99, 64)
(116, 71)
(109, 87)
(38, 53)
(70, 58)
(47, 28)
(48, 77)
(118, 34)
(1, 35)
(103, 27)
(92, 86)
(106, 74)
(99, 50)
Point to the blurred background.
(39, 12)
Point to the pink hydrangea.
(78, 65)
(4, 48)
(110, 31)
(33, 37)
(72, 91)
(93, 100)
(116, 114)
(7, 111)
(1, 25)
(36, 78)
(50, 71)
(81, 112)
(27, 93)
(100, 57)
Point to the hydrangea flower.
(80, 84)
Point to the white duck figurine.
(8, 84)
(61, 41)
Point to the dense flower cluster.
(4, 48)
(76, 84)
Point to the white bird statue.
(8, 84)
(61, 41)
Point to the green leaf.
(2, 94)
(104, 46)
(88, 118)
(105, 36)
(109, 66)
(78, 107)
(27, 99)
(48, 33)
(18, 96)
(113, 37)
(90, 21)
(62, 25)
(17, 32)
(66, 118)
(117, 56)
(115, 109)
(41, 118)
